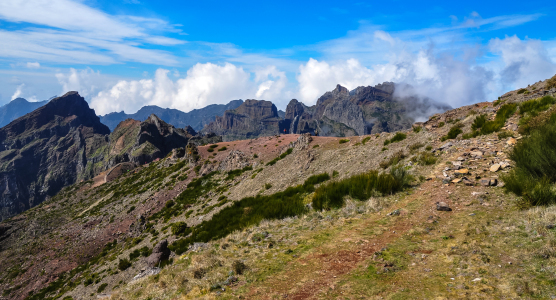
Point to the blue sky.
(121, 55)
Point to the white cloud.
(33, 65)
(77, 33)
(86, 81)
(524, 61)
(18, 91)
(203, 84)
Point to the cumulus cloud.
(202, 85)
(86, 81)
(524, 61)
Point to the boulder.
(495, 168)
(160, 253)
(442, 206)
(511, 141)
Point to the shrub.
(417, 129)
(237, 172)
(179, 228)
(453, 133)
(365, 140)
(551, 83)
(416, 147)
(360, 187)
(102, 287)
(383, 149)
(223, 149)
(315, 146)
(428, 148)
(335, 173)
(210, 150)
(400, 136)
(394, 159)
(441, 124)
(479, 122)
(521, 91)
(316, 179)
(533, 107)
(535, 168)
(239, 267)
(343, 141)
(213, 146)
(267, 186)
(425, 159)
(123, 264)
(505, 134)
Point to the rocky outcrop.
(160, 253)
(46, 150)
(235, 160)
(252, 119)
(364, 110)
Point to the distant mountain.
(45, 150)
(196, 118)
(17, 108)
(251, 119)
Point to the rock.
(457, 180)
(462, 171)
(160, 253)
(394, 213)
(493, 182)
(484, 182)
(495, 168)
(467, 182)
(147, 272)
(235, 160)
(445, 146)
(477, 154)
(511, 141)
(442, 206)
(456, 163)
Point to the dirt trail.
(311, 276)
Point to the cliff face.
(46, 150)
(251, 119)
(364, 110)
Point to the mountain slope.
(17, 108)
(196, 118)
(46, 150)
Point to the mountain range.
(17, 108)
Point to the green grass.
(365, 140)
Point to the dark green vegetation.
(453, 133)
(282, 156)
(249, 211)
(535, 167)
(343, 141)
(396, 138)
(551, 83)
(237, 172)
(417, 129)
(530, 112)
(365, 140)
(482, 126)
(361, 187)
(424, 158)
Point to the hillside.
(413, 214)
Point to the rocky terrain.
(340, 112)
(420, 213)
(46, 150)
(17, 108)
(253, 118)
(196, 118)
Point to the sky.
(124, 54)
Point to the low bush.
(360, 187)
(365, 140)
(102, 287)
(425, 159)
(453, 133)
(415, 147)
(123, 264)
(551, 83)
(394, 159)
(441, 124)
(223, 149)
(343, 141)
(417, 129)
(535, 168)
(400, 136)
(237, 172)
(179, 228)
(521, 91)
